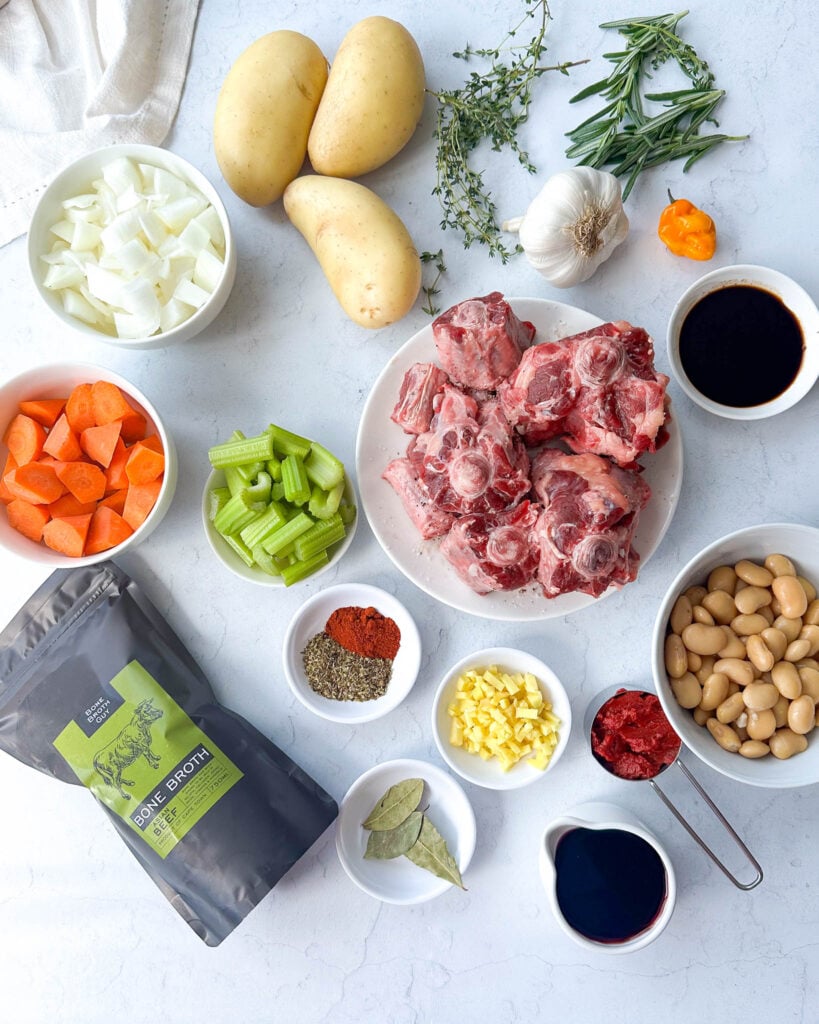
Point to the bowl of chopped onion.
(501, 718)
(131, 245)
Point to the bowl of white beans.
(735, 655)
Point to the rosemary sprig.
(431, 290)
(622, 135)
(491, 105)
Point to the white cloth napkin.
(79, 74)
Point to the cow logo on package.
(131, 742)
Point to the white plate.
(312, 617)
(399, 880)
(472, 767)
(380, 440)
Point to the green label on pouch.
(147, 761)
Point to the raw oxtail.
(96, 689)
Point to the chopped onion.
(138, 253)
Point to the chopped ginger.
(503, 715)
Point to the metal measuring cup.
(671, 755)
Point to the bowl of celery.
(277, 507)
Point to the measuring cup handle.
(699, 840)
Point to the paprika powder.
(364, 631)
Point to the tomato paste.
(632, 737)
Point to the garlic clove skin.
(573, 225)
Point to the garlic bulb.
(573, 225)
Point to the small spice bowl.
(399, 880)
(490, 773)
(310, 621)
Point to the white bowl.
(603, 816)
(400, 881)
(797, 301)
(311, 619)
(228, 557)
(472, 767)
(801, 544)
(75, 179)
(55, 381)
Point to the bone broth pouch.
(96, 689)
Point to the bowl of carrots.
(87, 467)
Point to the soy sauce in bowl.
(741, 346)
(611, 883)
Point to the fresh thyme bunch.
(491, 105)
(622, 136)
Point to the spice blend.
(352, 658)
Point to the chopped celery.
(323, 468)
(319, 537)
(241, 549)
(274, 468)
(236, 514)
(277, 490)
(237, 453)
(298, 570)
(323, 504)
(217, 499)
(347, 512)
(285, 534)
(260, 529)
(260, 489)
(267, 563)
(234, 479)
(248, 471)
(286, 443)
(294, 478)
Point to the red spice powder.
(364, 631)
(632, 736)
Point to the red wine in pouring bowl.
(741, 346)
(611, 884)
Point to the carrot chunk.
(115, 477)
(67, 535)
(144, 464)
(28, 519)
(67, 505)
(140, 500)
(45, 410)
(108, 403)
(134, 426)
(25, 438)
(107, 529)
(5, 494)
(115, 500)
(85, 481)
(80, 409)
(153, 442)
(35, 483)
(62, 443)
(99, 443)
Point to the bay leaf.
(393, 842)
(431, 853)
(395, 805)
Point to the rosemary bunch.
(491, 105)
(622, 135)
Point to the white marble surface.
(84, 934)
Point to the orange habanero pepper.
(686, 230)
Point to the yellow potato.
(264, 113)
(363, 248)
(373, 100)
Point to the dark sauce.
(741, 346)
(611, 884)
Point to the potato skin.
(373, 100)
(264, 113)
(362, 245)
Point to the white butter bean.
(791, 596)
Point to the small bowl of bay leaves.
(405, 832)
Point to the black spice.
(339, 674)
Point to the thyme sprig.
(431, 290)
(622, 135)
(491, 105)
